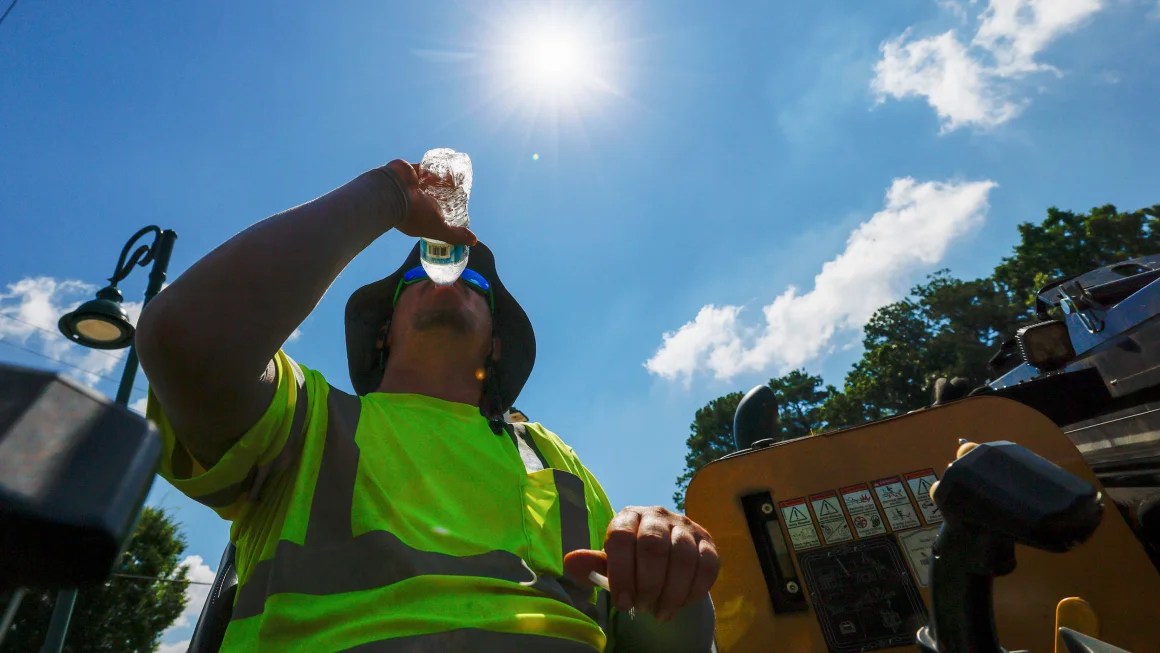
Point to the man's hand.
(425, 220)
(655, 560)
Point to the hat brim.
(370, 307)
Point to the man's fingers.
(708, 566)
(683, 561)
(449, 234)
(653, 542)
(459, 236)
(407, 173)
(620, 545)
(579, 564)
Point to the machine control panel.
(826, 540)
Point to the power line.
(54, 333)
(8, 11)
(160, 580)
(8, 342)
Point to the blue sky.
(718, 196)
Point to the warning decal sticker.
(892, 496)
(917, 545)
(919, 483)
(863, 511)
(799, 524)
(830, 517)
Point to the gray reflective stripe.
(226, 495)
(299, 376)
(474, 640)
(573, 512)
(369, 561)
(293, 446)
(334, 492)
(529, 453)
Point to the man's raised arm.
(207, 341)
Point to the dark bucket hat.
(369, 308)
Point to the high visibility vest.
(396, 522)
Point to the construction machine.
(836, 542)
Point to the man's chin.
(443, 319)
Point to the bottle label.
(438, 251)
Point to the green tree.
(799, 400)
(1066, 244)
(123, 614)
(946, 327)
(949, 327)
(710, 437)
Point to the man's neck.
(441, 379)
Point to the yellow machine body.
(814, 484)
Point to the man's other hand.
(655, 560)
(424, 219)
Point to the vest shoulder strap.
(534, 461)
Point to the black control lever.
(755, 418)
(995, 496)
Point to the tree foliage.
(711, 436)
(946, 327)
(123, 614)
(799, 399)
(1066, 244)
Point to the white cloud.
(688, 348)
(29, 311)
(974, 83)
(195, 596)
(140, 405)
(940, 69)
(956, 7)
(294, 335)
(1014, 31)
(883, 257)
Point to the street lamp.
(102, 323)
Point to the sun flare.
(557, 59)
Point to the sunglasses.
(473, 279)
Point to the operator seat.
(215, 614)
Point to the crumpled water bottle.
(450, 189)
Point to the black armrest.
(215, 614)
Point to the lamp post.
(102, 323)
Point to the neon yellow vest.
(397, 522)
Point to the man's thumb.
(578, 564)
(457, 235)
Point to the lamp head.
(100, 323)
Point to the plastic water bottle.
(443, 262)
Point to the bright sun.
(557, 58)
(556, 61)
